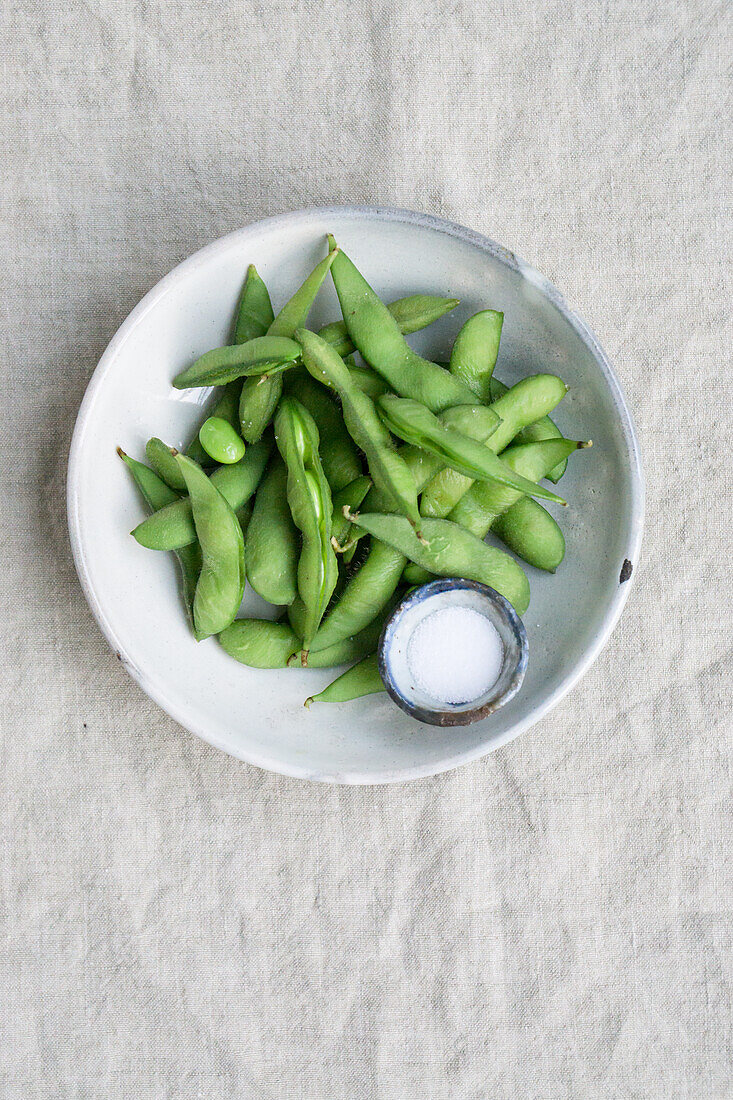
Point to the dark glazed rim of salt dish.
(513, 631)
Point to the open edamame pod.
(222, 365)
(475, 350)
(272, 545)
(157, 495)
(260, 395)
(388, 470)
(415, 424)
(341, 462)
(524, 403)
(451, 551)
(359, 680)
(309, 498)
(412, 313)
(220, 585)
(173, 527)
(376, 334)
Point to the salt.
(455, 655)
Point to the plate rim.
(553, 295)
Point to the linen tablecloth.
(553, 921)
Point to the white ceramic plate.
(257, 715)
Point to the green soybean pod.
(485, 501)
(172, 527)
(475, 350)
(340, 458)
(351, 497)
(220, 441)
(257, 403)
(365, 595)
(377, 336)
(157, 495)
(162, 458)
(222, 365)
(254, 309)
(348, 649)
(411, 421)
(368, 381)
(359, 680)
(521, 405)
(531, 533)
(260, 396)
(387, 469)
(220, 585)
(260, 643)
(411, 314)
(544, 428)
(272, 545)
(451, 551)
(309, 498)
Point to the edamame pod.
(411, 314)
(412, 422)
(309, 497)
(377, 336)
(260, 643)
(254, 309)
(481, 505)
(524, 403)
(544, 428)
(260, 395)
(365, 594)
(365, 427)
(348, 649)
(451, 551)
(475, 350)
(532, 533)
(220, 441)
(222, 365)
(257, 403)
(359, 680)
(272, 545)
(162, 458)
(368, 381)
(341, 463)
(173, 527)
(157, 495)
(220, 585)
(351, 497)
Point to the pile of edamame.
(332, 485)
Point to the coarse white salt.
(455, 655)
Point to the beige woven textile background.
(551, 922)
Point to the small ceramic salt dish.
(452, 652)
